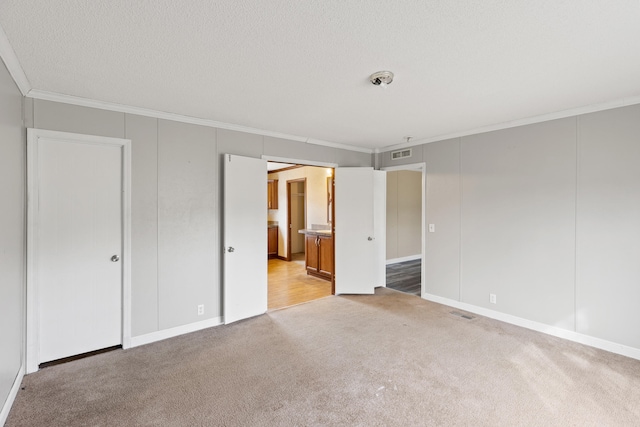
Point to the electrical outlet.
(200, 309)
(432, 228)
(492, 298)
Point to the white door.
(79, 220)
(359, 249)
(245, 237)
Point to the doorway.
(302, 206)
(405, 228)
(297, 217)
(78, 285)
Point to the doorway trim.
(32, 330)
(289, 229)
(422, 167)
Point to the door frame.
(32, 321)
(289, 229)
(300, 162)
(422, 167)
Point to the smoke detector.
(381, 78)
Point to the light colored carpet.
(388, 359)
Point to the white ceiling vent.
(400, 154)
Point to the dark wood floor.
(405, 276)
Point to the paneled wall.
(544, 216)
(176, 204)
(608, 225)
(12, 232)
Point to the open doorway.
(405, 229)
(299, 268)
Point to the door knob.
(115, 258)
(231, 249)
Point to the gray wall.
(442, 252)
(12, 232)
(176, 203)
(608, 225)
(404, 214)
(545, 216)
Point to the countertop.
(326, 233)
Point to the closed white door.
(79, 246)
(359, 236)
(245, 237)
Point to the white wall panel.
(188, 270)
(278, 147)
(518, 221)
(392, 215)
(346, 158)
(12, 232)
(240, 143)
(143, 132)
(608, 228)
(73, 118)
(442, 254)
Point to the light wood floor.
(289, 283)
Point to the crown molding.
(121, 108)
(10, 59)
(624, 102)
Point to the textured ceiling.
(302, 67)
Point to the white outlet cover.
(492, 298)
(432, 228)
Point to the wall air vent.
(401, 154)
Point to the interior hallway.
(289, 283)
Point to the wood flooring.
(289, 283)
(405, 276)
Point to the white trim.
(540, 327)
(408, 167)
(126, 242)
(13, 65)
(298, 162)
(33, 136)
(121, 108)
(624, 102)
(6, 407)
(174, 332)
(421, 167)
(403, 259)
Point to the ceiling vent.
(400, 154)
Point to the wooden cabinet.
(272, 194)
(272, 239)
(319, 256)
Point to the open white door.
(359, 249)
(245, 237)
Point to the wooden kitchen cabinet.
(319, 256)
(272, 239)
(272, 194)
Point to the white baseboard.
(174, 332)
(613, 347)
(404, 259)
(4, 413)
